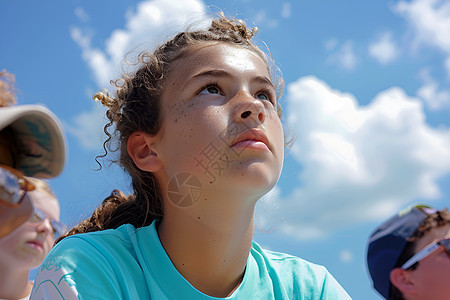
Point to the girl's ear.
(141, 150)
(403, 281)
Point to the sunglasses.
(38, 216)
(427, 251)
(13, 186)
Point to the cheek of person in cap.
(408, 256)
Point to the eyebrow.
(221, 73)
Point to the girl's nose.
(249, 110)
(44, 226)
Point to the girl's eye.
(262, 96)
(212, 89)
(35, 218)
(265, 95)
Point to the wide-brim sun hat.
(40, 141)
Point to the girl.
(200, 135)
(26, 247)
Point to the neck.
(14, 284)
(215, 245)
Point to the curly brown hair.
(7, 90)
(136, 107)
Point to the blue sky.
(367, 97)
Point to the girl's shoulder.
(110, 244)
(286, 261)
(81, 261)
(122, 234)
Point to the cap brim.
(41, 143)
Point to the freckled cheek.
(193, 118)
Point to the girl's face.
(220, 122)
(27, 246)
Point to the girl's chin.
(250, 181)
(244, 176)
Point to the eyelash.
(265, 91)
(211, 84)
(269, 95)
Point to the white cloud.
(344, 57)
(331, 44)
(434, 97)
(447, 67)
(87, 127)
(81, 14)
(261, 19)
(99, 64)
(429, 20)
(358, 163)
(265, 208)
(345, 256)
(151, 23)
(286, 10)
(384, 49)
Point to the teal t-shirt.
(130, 263)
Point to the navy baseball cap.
(388, 241)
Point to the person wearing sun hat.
(32, 146)
(32, 143)
(408, 256)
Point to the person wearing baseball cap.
(32, 143)
(408, 256)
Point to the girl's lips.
(254, 144)
(36, 245)
(252, 138)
